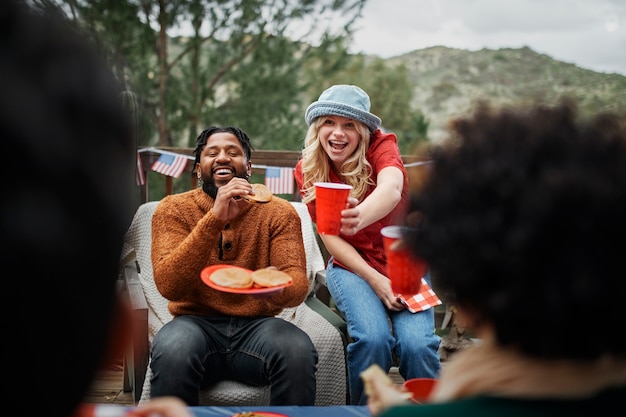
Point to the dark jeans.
(190, 352)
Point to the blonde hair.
(355, 171)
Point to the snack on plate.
(270, 277)
(248, 414)
(232, 278)
(262, 194)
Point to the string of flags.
(171, 165)
(279, 180)
(141, 180)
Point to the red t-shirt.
(383, 152)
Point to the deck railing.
(260, 160)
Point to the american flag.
(170, 164)
(279, 180)
(141, 180)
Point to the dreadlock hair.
(243, 137)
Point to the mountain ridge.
(449, 81)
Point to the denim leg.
(417, 344)
(368, 326)
(177, 359)
(193, 351)
(287, 356)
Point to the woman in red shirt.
(344, 144)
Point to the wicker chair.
(150, 313)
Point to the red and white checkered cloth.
(421, 301)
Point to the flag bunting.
(170, 164)
(141, 180)
(279, 180)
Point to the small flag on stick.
(279, 180)
(170, 164)
(141, 180)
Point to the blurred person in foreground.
(217, 335)
(64, 211)
(344, 144)
(523, 219)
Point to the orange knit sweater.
(186, 237)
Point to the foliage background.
(257, 64)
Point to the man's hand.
(229, 201)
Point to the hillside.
(448, 81)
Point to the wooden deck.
(107, 388)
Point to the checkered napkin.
(421, 301)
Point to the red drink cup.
(420, 388)
(405, 271)
(330, 199)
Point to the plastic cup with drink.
(405, 270)
(330, 199)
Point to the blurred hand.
(382, 394)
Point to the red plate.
(206, 274)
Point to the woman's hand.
(351, 217)
(382, 287)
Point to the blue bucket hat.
(343, 100)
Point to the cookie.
(262, 194)
(270, 277)
(232, 277)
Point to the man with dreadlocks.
(218, 335)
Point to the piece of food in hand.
(262, 194)
(374, 372)
(232, 278)
(270, 277)
(381, 392)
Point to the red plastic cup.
(330, 199)
(420, 388)
(405, 271)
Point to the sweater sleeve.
(180, 239)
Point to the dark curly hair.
(523, 222)
(203, 137)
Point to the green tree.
(193, 63)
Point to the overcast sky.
(588, 33)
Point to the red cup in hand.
(330, 199)
(405, 270)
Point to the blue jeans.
(411, 336)
(190, 352)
